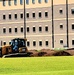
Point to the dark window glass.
(33, 1)
(46, 28)
(33, 15)
(4, 43)
(10, 30)
(22, 29)
(4, 17)
(60, 11)
(27, 1)
(9, 2)
(15, 16)
(61, 41)
(34, 43)
(27, 15)
(72, 42)
(40, 14)
(46, 14)
(21, 2)
(40, 29)
(61, 26)
(27, 29)
(3, 2)
(4, 30)
(46, 1)
(9, 16)
(73, 26)
(34, 29)
(21, 16)
(16, 30)
(72, 11)
(39, 1)
(15, 2)
(28, 43)
(46, 43)
(40, 43)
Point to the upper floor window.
(21, 29)
(61, 11)
(73, 26)
(40, 29)
(4, 30)
(33, 14)
(46, 43)
(27, 15)
(15, 2)
(10, 30)
(40, 43)
(28, 29)
(15, 30)
(46, 14)
(40, 15)
(9, 2)
(9, 16)
(33, 1)
(46, 28)
(34, 29)
(21, 15)
(61, 26)
(27, 1)
(15, 16)
(72, 42)
(4, 17)
(3, 2)
(39, 1)
(72, 11)
(21, 2)
(34, 43)
(46, 1)
(61, 41)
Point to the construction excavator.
(17, 48)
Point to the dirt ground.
(49, 52)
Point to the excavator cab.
(18, 45)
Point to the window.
(61, 41)
(33, 1)
(73, 26)
(15, 2)
(72, 11)
(9, 2)
(46, 1)
(33, 14)
(9, 16)
(21, 2)
(15, 16)
(10, 30)
(21, 16)
(39, 1)
(3, 2)
(15, 30)
(34, 29)
(40, 43)
(27, 1)
(46, 42)
(4, 43)
(60, 11)
(27, 14)
(34, 43)
(40, 15)
(28, 43)
(61, 26)
(28, 29)
(46, 14)
(46, 28)
(4, 30)
(22, 29)
(40, 29)
(72, 42)
(4, 17)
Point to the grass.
(37, 66)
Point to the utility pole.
(24, 21)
